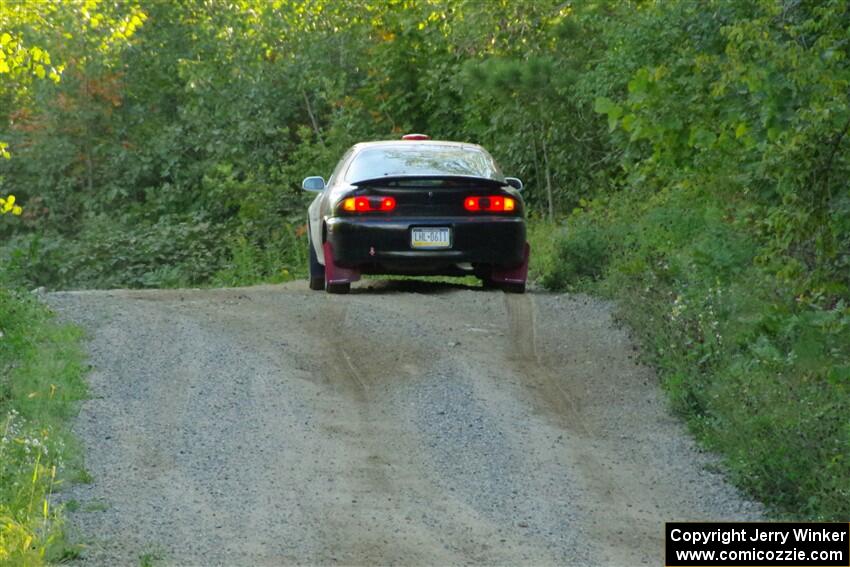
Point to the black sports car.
(417, 207)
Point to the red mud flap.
(335, 274)
(517, 275)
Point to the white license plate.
(431, 237)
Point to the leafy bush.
(582, 251)
(169, 253)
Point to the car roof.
(418, 143)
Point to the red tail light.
(368, 204)
(496, 204)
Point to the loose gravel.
(406, 423)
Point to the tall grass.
(41, 383)
(282, 258)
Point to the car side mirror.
(514, 182)
(314, 184)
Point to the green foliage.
(89, 27)
(169, 253)
(41, 369)
(726, 232)
(764, 122)
(582, 251)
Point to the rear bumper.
(381, 245)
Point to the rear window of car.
(422, 160)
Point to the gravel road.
(406, 423)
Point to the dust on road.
(406, 423)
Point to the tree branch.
(313, 117)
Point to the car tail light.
(496, 204)
(368, 204)
(416, 137)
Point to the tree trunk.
(313, 117)
(88, 142)
(548, 174)
(537, 175)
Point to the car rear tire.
(317, 271)
(338, 288)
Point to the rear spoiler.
(489, 181)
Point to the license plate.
(431, 237)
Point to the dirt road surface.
(406, 423)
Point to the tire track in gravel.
(407, 423)
(548, 387)
(356, 425)
(361, 366)
(617, 537)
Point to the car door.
(319, 208)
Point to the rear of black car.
(422, 208)
(427, 225)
